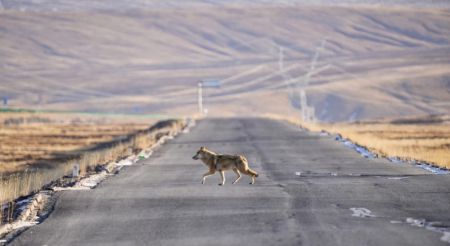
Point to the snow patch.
(298, 173)
(431, 226)
(70, 188)
(130, 160)
(125, 162)
(361, 212)
(446, 237)
(395, 222)
(361, 150)
(22, 224)
(416, 222)
(397, 178)
(93, 180)
(29, 209)
(24, 201)
(355, 174)
(433, 169)
(87, 183)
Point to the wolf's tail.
(252, 172)
(245, 164)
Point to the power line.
(308, 113)
(300, 81)
(277, 72)
(246, 72)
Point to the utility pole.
(200, 98)
(308, 112)
(203, 84)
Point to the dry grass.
(409, 139)
(23, 146)
(430, 143)
(34, 155)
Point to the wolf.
(222, 163)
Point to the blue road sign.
(211, 83)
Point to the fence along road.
(311, 191)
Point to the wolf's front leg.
(222, 175)
(238, 175)
(209, 173)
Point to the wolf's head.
(200, 153)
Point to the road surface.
(311, 190)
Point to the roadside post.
(76, 170)
(207, 83)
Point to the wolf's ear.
(202, 148)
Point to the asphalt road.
(160, 201)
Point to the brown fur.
(222, 163)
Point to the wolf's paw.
(251, 183)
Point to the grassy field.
(39, 145)
(38, 149)
(423, 139)
(30, 139)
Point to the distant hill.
(377, 61)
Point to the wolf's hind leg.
(251, 174)
(222, 175)
(253, 180)
(236, 171)
(209, 173)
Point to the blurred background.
(327, 61)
